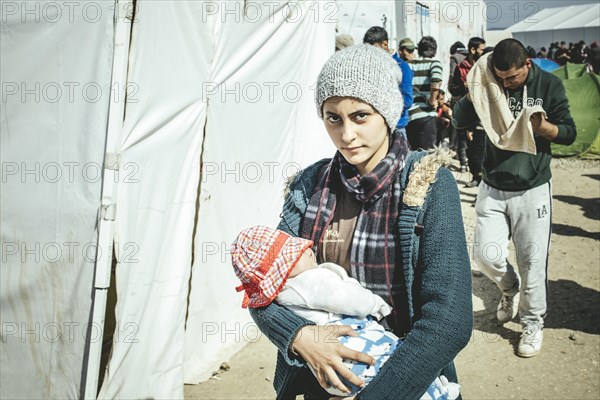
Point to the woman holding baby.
(392, 219)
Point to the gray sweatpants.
(524, 216)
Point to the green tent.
(583, 92)
(570, 71)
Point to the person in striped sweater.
(422, 127)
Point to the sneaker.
(453, 389)
(441, 388)
(531, 341)
(506, 309)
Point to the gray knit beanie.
(366, 73)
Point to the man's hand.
(319, 346)
(542, 127)
(469, 135)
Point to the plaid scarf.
(374, 251)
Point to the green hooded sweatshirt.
(516, 171)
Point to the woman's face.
(357, 130)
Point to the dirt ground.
(567, 367)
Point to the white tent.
(568, 24)
(217, 114)
(493, 37)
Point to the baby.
(274, 266)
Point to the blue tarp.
(546, 64)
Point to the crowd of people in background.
(561, 52)
(575, 53)
(427, 107)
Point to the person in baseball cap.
(406, 49)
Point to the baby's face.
(307, 261)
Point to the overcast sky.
(514, 11)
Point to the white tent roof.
(569, 17)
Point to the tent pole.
(123, 18)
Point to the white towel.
(491, 104)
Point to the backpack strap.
(419, 176)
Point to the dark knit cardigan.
(440, 314)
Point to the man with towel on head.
(523, 109)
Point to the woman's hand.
(341, 398)
(318, 345)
